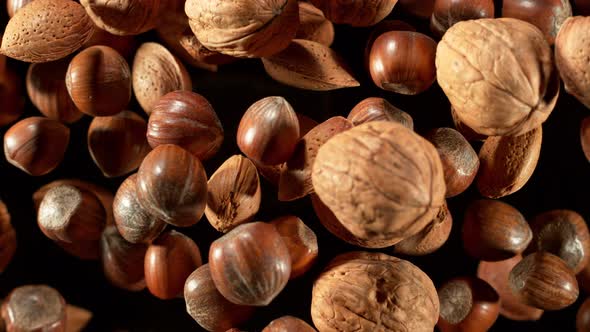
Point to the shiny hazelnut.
(11, 95)
(36, 145)
(313, 25)
(585, 136)
(251, 264)
(419, 8)
(356, 13)
(431, 238)
(494, 231)
(124, 17)
(99, 81)
(288, 324)
(208, 307)
(7, 238)
(448, 12)
(172, 185)
(34, 308)
(379, 29)
(583, 317)
(547, 15)
(467, 304)
(378, 109)
(12, 6)
(403, 62)
(122, 261)
(169, 260)
(188, 120)
(301, 242)
(134, 223)
(268, 131)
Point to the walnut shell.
(362, 291)
(356, 13)
(572, 49)
(381, 180)
(124, 17)
(244, 28)
(46, 30)
(509, 91)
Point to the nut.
(124, 17)
(288, 324)
(34, 308)
(431, 238)
(356, 13)
(378, 109)
(301, 242)
(313, 25)
(7, 238)
(122, 261)
(448, 12)
(547, 15)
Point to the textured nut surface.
(122, 261)
(431, 238)
(355, 13)
(46, 30)
(382, 181)
(508, 162)
(506, 92)
(309, 65)
(313, 25)
(124, 17)
(361, 291)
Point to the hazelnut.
(378, 109)
(419, 8)
(172, 185)
(583, 317)
(506, 92)
(233, 194)
(431, 238)
(547, 15)
(13, 101)
(356, 291)
(288, 324)
(122, 261)
(77, 318)
(188, 120)
(244, 28)
(585, 136)
(301, 242)
(448, 12)
(382, 181)
(356, 13)
(124, 17)
(36, 145)
(313, 25)
(7, 238)
(124, 45)
(379, 29)
(34, 308)
(251, 264)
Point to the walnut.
(572, 55)
(360, 13)
(507, 91)
(362, 291)
(382, 181)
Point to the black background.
(559, 181)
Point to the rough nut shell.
(124, 17)
(431, 238)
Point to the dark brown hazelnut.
(251, 264)
(233, 194)
(403, 62)
(379, 29)
(496, 274)
(585, 137)
(12, 6)
(188, 120)
(460, 162)
(313, 25)
(448, 12)
(7, 238)
(36, 145)
(46, 87)
(208, 307)
(419, 8)
(134, 223)
(117, 144)
(122, 261)
(77, 318)
(34, 308)
(467, 304)
(268, 131)
(431, 238)
(11, 96)
(169, 260)
(547, 15)
(356, 13)
(544, 281)
(583, 317)
(288, 324)
(172, 185)
(494, 231)
(379, 109)
(301, 242)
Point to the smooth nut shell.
(448, 12)
(583, 317)
(379, 29)
(356, 13)
(122, 261)
(378, 109)
(313, 25)
(8, 240)
(547, 15)
(301, 242)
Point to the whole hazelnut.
(571, 53)
(585, 136)
(379, 29)
(431, 238)
(251, 264)
(7, 238)
(288, 324)
(301, 242)
(188, 120)
(34, 308)
(99, 81)
(268, 131)
(583, 317)
(13, 101)
(494, 231)
(208, 307)
(359, 287)
(506, 92)
(46, 87)
(378, 109)
(382, 181)
(544, 281)
(36, 145)
(124, 17)
(122, 261)
(244, 28)
(419, 8)
(172, 185)
(547, 15)
(448, 12)
(124, 45)
(356, 13)
(169, 260)
(12, 6)
(467, 304)
(313, 25)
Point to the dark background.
(559, 181)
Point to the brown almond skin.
(124, 17)
(547, 15)
(544, 281)
(13, 101)
(288, 324)
(313, 25)
(378, 109)
(356, 13)
(309, 65)
(122, 261)
(34, 308)
(233, 194)
(301, 242)
(508, 162)
(46, 30)
(494, 231)
(431, 238)
(8, 240)
(583, 317)
(295, 180)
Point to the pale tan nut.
(369, 292)
(244, 28)
(125, 17)
(508, 162)
(359, 13)
(46, 30)
(572, 56)
(382, 181)
(431, 238)
(313, 25)
(509, 91)
(309, 65)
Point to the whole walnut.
(244, 28)
(382, 181)
(369, 292)
(572, 49)
(359, 13)
(507, 91)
